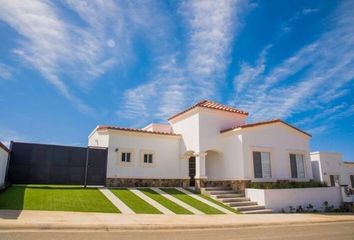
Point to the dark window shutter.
(293, 166)
(123, 157)
(352, 180)
(257, 164)
(128, 157)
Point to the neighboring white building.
(207, 144)
(330, 168)
(4, 153)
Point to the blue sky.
(67, 66)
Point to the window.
(335, 180)
(297, 166)
(352, 180)
(261, 164)
(148, 158)
(126, 157)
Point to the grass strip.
(134, 202)
(205, 208)
(56, 198)
(174, 207)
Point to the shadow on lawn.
(11, 202)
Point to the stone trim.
(144, 182)
(237, 185)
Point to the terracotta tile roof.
(135, 130)
(211, 105)
(4, 147)
(263, 123)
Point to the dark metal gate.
(32, 163)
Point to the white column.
(200, 165)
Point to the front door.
(192, 171)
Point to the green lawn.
(134, 202)
(164, 201)
(205, 208)
(215, 201)
(56, 198)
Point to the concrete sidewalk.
(50, 220)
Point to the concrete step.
(237, 199)
(232, 195)
(241, 204)
(217, 188)
(219, 192)
(249, 208)
(257, 211)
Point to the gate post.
(86, 166)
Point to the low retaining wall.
(137, 182)
(4, 153)
(278, 199)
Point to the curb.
(104, 227)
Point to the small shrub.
(286, 184)
(310, 207)
(299, 209)
(327, 207)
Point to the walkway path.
(151, 202)
(27, 219)
(116, 201)
(195, 196)
(177, 201)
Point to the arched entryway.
(214, 165)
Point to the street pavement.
(304, 231)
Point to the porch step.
(250, 208)
(219, 192)
(241, 204)
(232, 195)
(235, 200)
(258, 211)
(238, 199)
(208, 189)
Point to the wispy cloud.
(306, 11)
(195, 72)
(8, 135)
(287, 25)
(322, 67)
(5, 71)
(248, 73)
(56, 47)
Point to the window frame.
(147, 152)
(262, 160)
(298, 173)
(119, 156)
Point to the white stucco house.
(330, 168)
(208, 144)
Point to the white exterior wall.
(278, 199)
(280, 140)
(188, 127)
(3, 164)
(98, 139)
(326, 164)
(210, 125)
(167, 163)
